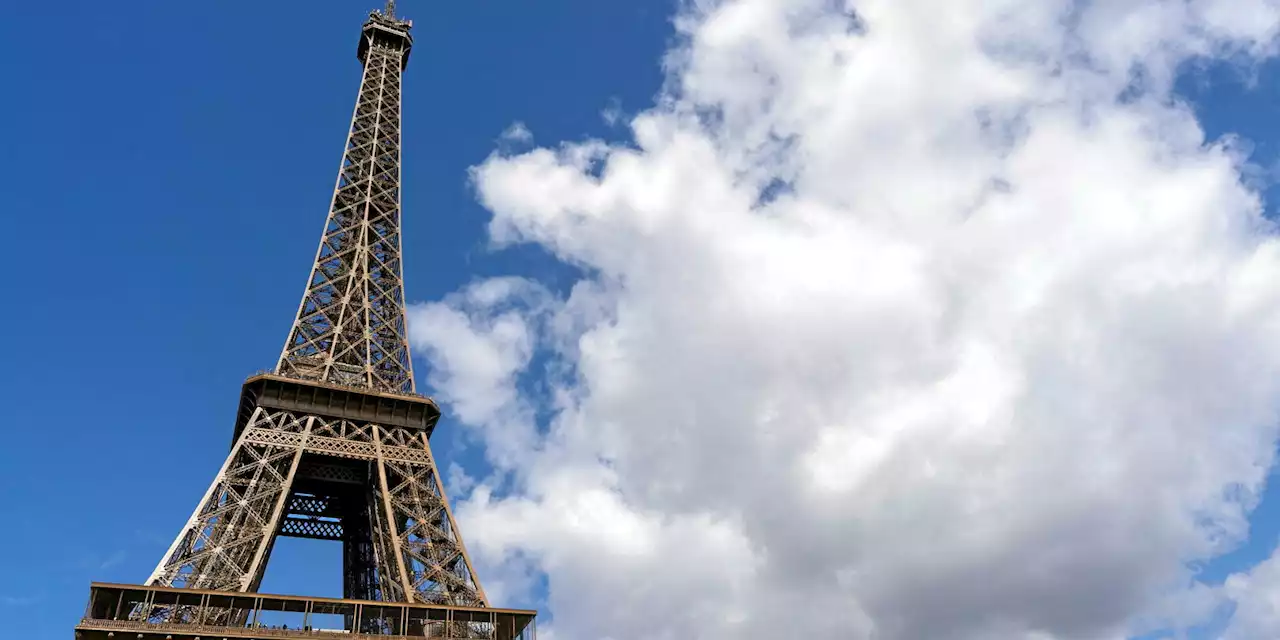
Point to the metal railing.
(338, 385)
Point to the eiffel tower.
(331, 445)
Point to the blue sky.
(169, 167)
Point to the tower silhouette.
(333, 444)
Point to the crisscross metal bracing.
(350, 328)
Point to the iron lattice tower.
(334, 443)
(308, 460)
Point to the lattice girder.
(412, 537)
(350, 327)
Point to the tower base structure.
(136, 612)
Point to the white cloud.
(1000, 356)
(476, 364)
(1257, 597)
(517, 132)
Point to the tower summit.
(332, 445)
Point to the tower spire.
(391, 9)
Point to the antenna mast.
(391, 9)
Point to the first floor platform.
(135, 612)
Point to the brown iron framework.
(334, 443)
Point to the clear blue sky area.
(168, 167)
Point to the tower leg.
(225, 543)
(359, 563)
(420, 530)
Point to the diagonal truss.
(417, 553)
(350, 327)
(224, 542)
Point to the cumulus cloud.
(899, 319)
(1256, 595)
(476, 363)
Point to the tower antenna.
(391, 9)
